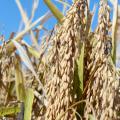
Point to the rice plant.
(72, 74)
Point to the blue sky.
(10, 17)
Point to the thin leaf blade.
(28, 104)
(9, 110)
(54, 10)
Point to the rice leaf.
(19, 82)
(9, 110)
(80, 74)
(80, 63)
(28, 104)
(23, 95)
(31, 50)
(24, 57)
(64, 3)
(91, 117)
(114, 29)
(59, 16)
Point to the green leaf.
(28, 104)
(19, 81)
(114, 30)
(31, 50)
(78, 78)
(59, 16)
(79, 71)
(80, 63)
(24, 95)
(9, 110)
(91, 117)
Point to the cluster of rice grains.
(65, 51)
(104, 81)
(6, 68)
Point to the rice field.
(72, 74)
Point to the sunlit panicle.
(65, 52)
(104, 81)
